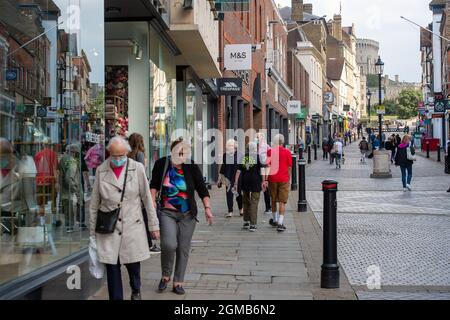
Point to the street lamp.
(379, 67)
(369, 96)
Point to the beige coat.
(129, 241)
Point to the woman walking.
(121, 184)
(138, 154)
(405, 159)
(227, 171)
(175, 180)
(252, 183)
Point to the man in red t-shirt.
(280, 163)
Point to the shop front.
(52, 128)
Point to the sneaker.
(268, 212)
(246, 225)
(178, 290)
(136, 296)
(273, 223)
(408, 186)
(404, 189)
(69, 230)
(229, 215)
(155, 249)
(163, 285)
(252, 228)
(448, 190)
(281, 228)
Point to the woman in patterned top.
(178, 179)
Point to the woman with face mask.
(175, 180)
(121, 183)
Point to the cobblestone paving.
(406, 235)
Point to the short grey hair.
(278, 140)
(119, 140)
(73, 148)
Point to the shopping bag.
(31, 236)
(96, 268)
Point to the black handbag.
(106, 221)
(159, 196)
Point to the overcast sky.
(380, 20)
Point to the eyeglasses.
(117, 157)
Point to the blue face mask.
(4, 163)
(119, 162)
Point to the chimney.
(337, 26)
(386, 80)
(308, 8)
(397, 79)
(297, 10)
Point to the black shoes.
(178, 290)
(273, 223)
(448, 190)
(136, 296)
(281, 228)
(246, 225)
(252, 228)
(163, 285)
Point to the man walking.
(364, 148)
(263, 148)
(280, 163)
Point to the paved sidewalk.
(230, 263)
(401, 239)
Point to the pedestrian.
(390, 146)
(121, 184)
(228, 169)
(175, 180)
(398, 140)
(325, 149)
(137, 153)
(377, 143)
(338, 150)
(330, 148)
(364, 148)
(280, 164)
(263, 149)
(253, 181)
(405, 159)
(71, 195)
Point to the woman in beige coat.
(128, 244)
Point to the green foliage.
(372, 81)
(97, 106)
(407, 102)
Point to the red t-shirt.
(46, 165)
(280, 161)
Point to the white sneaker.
(229, 215)
(408, 186)
(269, 212)
(404, 189)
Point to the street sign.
(238, 57)
(229, 86)
(41, 112)
(346, 107)
(328, 97)
(381, 110)
(294, 107)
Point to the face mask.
(4, 163)
(119, 162)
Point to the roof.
(438, 3)
(335, 68)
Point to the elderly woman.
(227, 171)
(121, 183)
(176, 179)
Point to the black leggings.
(230, 199)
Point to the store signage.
(229, 86)
(334, 116)
(440, 106)
(328, 97)
(11, 74)
(294, 107)
(244, 75)
(282, 101)
(41, 112)
(29, 110)
(315, 117)
(302, 114)
(437, 116)
(381, 110)
(238, 57)
(346, 107)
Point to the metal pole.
(309, 154)
(380, 125)
(428, 149)
(369, 110)
(302, 205)
(330, 269)
(315, 151)
(294, 173)
(439, 153)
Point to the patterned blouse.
(174, 194)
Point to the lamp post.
(369, 96)
(379, 66)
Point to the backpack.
(364, 145)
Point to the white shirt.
(338, 146)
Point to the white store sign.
(294, 107)
(238, 57)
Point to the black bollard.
(428, 149)
(315, 152)
(309, 154)
(330, 269)
(302, 205)
(300, 153)
(439, 153)
(294, 173)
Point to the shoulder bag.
(159, 197)
(106, 221)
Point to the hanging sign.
(229, 86)
(294, 107)
(238, 57)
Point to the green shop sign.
(232, 5)
(302, 114)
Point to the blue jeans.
(406, 174)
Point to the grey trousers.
(176, 235)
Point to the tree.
(408, 100)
